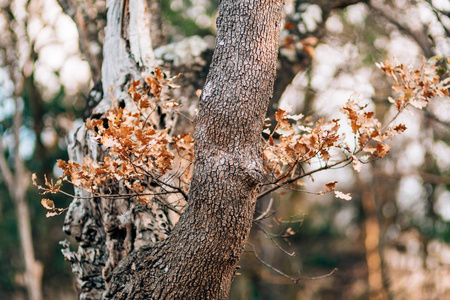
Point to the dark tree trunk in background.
(199, 257)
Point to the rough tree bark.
(199, 257)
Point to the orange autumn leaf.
(331, 185)
(382, 150)
(399, 128)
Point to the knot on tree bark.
(252, 173)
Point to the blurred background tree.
(40, 100)
(390, 241)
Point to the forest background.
(390, 240)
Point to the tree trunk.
(33, 269)
(17, 183)
(199, 257)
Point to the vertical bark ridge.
(198, 259)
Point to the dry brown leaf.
(331, 185)
(382, 150)
(48, 204)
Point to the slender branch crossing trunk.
(198, 259)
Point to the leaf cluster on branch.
(301, 142)
(153, 164)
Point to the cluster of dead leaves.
(300, 141)
(52, 188)
(139, 152)
(414, 87)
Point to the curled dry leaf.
(48, 204)
(138, 149)
(299, 142)
(331, 185)
(51, 214)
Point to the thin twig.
(286, 174)
(293, 279)
(347, 159)
(99, 195)
(303, 175)
(436, 12)
(192, 121)
(264, 214)
(168, 205)
(421, 39)
(179, 189)
(274, 241)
